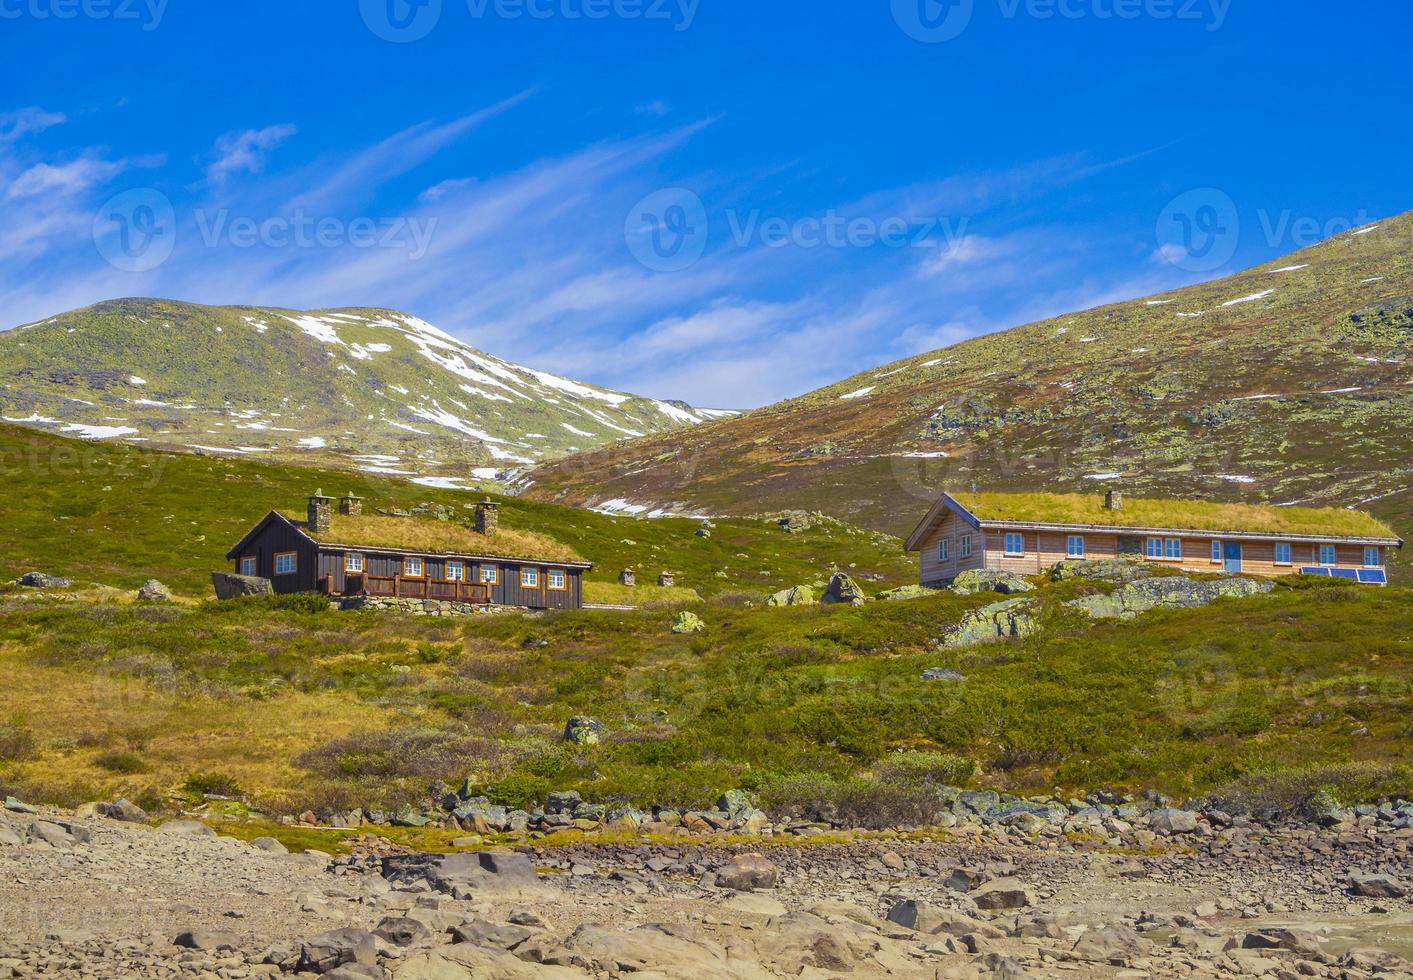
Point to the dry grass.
(441, 538)
(1195, 515)
(647, 596)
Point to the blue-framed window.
(1155, 548)
(942, 550)
(1329, 554)
(1282, 553)
(286, 563)
(966, 546)
(1216, 551)
(1172, 549)
(1074, 547)
(1373, 558)
(1015, 544)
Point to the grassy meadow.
(293, 706)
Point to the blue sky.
(725, 201)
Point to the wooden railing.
(418, 588)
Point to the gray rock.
(563, 801)
(735, 802)
(207, 940)
(906, 593)
(337, 947)
(1170, 592)
(465, 872)
(53, 834)
(1299, 941)
(124, 811)
(231, 586)
(1113, 944)
(402, 931)
(15, 806)
(583, 731)
(269, 845)
(1376, 886)
(980, 580)
(1173, 822)
(38, 580)
(844, 591)
(478, 932)
(941, 674)
(154, 591)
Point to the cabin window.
(1172, 549)
(287, 563)
(412, 568)
(490, 575)
(248, 567)
(942, 550)
(1328, 555)
(1216, 551)
(1282, 553)
(353, 563)
(455, 571)
(1372, 558)
(1155, 549)
(530, 578)
(557, 580)
(1015, 544)
(1074, 548)
(966, 545)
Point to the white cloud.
(22, 122)
(63, 179)
(246, 151)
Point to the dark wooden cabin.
(349, 555)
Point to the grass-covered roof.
(433, 537)
(1187, 515)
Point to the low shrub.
(404, 753)
(121, 763)
(1303, 792)
(868, 804)
(933, 769)
(213, 784)
(16, 743)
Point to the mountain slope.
(1292, 382)
(367, 389)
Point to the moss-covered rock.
(688, 622)
(800, 595)
(906, 592)
(980, 580)
(1011, 619)
(1177, 592)
(843, 590)
(1119, 570)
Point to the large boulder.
(1114, 944)
(338, 947)
(124, 811)
(154, 591)
(800, 595)
(1002, 893)
(1376, 886)
(1169, 592)
(978, 580)
(844, 591)
(905, 593)
(231, 586)
(1120, 571)
(463, 873)
(1171, 823)
(1011, 619)
(747, 873)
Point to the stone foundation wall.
(423, 607)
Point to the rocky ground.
(89, 896)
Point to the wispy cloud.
(246, 152)
(23, 122)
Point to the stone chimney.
(666, 580)
(1114, 500)
(628, 577)
(487, 518)
(351, 506)
(321, 512)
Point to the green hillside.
(371, 390)
(1291, 383)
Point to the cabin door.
(1233, 556)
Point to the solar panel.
(1373, 576)
(1346, 573)
(1315, 571)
